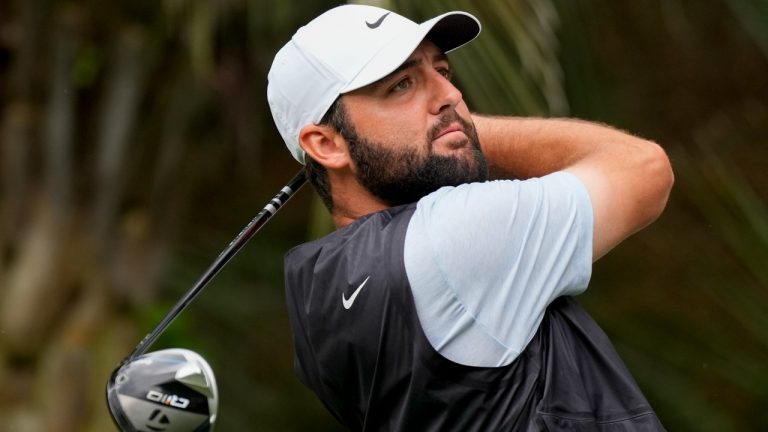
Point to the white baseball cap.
(344, 49)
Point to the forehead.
(428, 47)
(426, 50)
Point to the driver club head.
(171, 390)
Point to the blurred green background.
(136, 141)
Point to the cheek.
(394, 127)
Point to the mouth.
(454, 127)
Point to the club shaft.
(252, 228)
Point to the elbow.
(659, 177)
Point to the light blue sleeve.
(484, 260)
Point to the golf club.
(175, 390)
(171, 390)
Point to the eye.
(447, 73)
(401, 85)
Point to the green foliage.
(87, 66)
(512, 67)
(690, 321)
(754, 15)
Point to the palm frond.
(513, 66)
(754, 16)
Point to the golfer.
(444, 300)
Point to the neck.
(351, 201)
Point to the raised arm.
(628, 178)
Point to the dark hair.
(335, 117)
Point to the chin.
(458, 147)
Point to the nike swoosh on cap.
(347, 303)
(376, 23)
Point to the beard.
(406, 175)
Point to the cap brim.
(448, 31)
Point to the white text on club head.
(168, 399)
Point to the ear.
(325, 145)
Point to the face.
(411, 132)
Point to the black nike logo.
(377, 23)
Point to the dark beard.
(403, 176)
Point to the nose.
(445, 94)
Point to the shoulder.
(476, 252)
(560, 182)
(494, 200)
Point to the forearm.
(521, 148)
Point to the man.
(442, 302)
